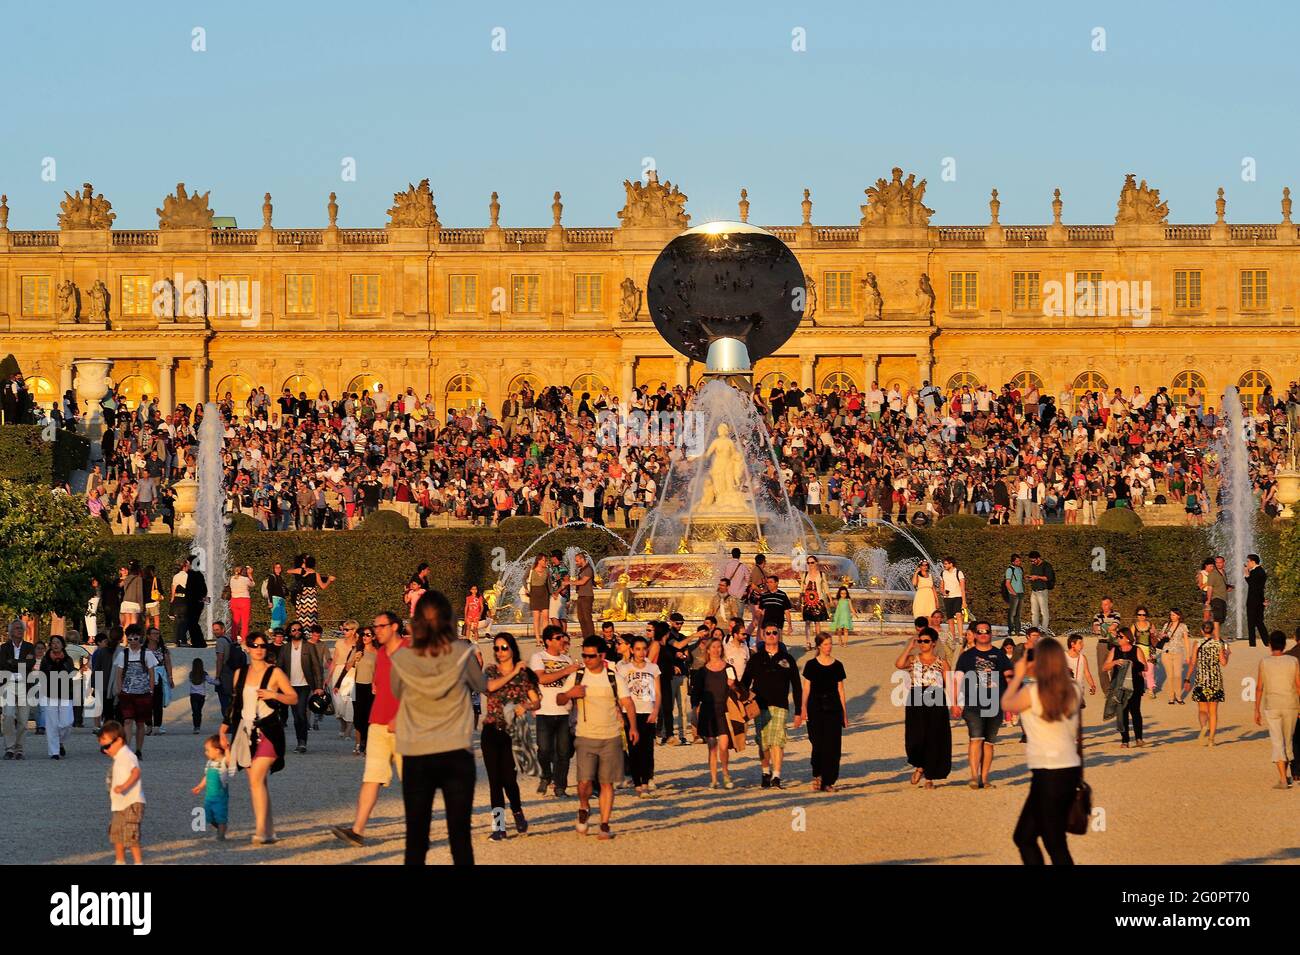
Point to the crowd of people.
(412, 690)
(1007, 455)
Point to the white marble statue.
(725, 474)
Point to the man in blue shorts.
(980, 677)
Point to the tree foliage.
(50, 549)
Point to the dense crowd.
(1006, 455)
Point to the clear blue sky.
(584, 90)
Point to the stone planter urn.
(187, 497)
(1288, 491)
(92, 385)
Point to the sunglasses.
(924, 643)
(502, 648)
(257, 646)
(105, 747)
(590, 656)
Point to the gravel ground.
(1173, 802)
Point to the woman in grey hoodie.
(432, 680)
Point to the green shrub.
(241, 523)
(523, 525)
(827, 524)
(963, 522)
(1119, 519)
(384, 522)
(25, 457)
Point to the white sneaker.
(162, 731)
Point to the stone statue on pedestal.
(874, 301)
(67, 301)
(724, 479)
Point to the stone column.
(806, 366)
(65, 380)
(167, 384)
(683, 371)
(92, 384)
(629, 380)
(201, 365)
(924, 369)
(870, 368)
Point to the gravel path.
(1172, 802)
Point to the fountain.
(210, 515)
(722, 294)
(1234, 529)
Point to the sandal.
(916, 776)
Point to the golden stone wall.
(852, 330)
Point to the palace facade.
(194, 310)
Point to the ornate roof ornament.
(1139, 204)
(85, 210)
(414, 208)
(896, 202)
(183, 211)
(654, 204)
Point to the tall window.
(36, 296)
(1086, 382)
(524, 295)
(1183, 384)
(588, 297)
(300, 294)
(1023, 381)
(1025, 292)
(136, 300)
(839, 291)
(589, 383)
(1088, 294)
(839, 379)
(1187, 288)
(963, 291)
(465, 392)
(963, 378)
(464, 294)
(234, 296)
(1250, 387)
(1254, 288)
(365, 295)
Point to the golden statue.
(683, 547)
(620, 600)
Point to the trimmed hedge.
(372, 569)
(1119, 519)
(1155, 566)
(522, 524)
(384, 522)
(965, 522)
(27, 458)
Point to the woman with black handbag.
(261, 690)
(1050, 714)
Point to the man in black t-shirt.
(775, 606)
(981, 676)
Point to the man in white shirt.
(300, 661)
(555, 673)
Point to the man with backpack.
(230, 659)
(600, 694)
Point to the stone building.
(196, 309)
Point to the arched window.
(771, 378)
(465, 392)
(363, 382)
(1088, 381)
(300, 383)
(42, 391)
(239, 387)
(517, 383)
(961, 379)
(1184, 382)
(839, 379)
(1250, 387)
(134, 387)
(589, 383)
(1025, 380)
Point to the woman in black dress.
(826, 713)
(927, 732)
(1133, 681)
(709, 686)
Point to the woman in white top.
(1278, 696)
(926, 599)
(1175, 647)
(1050, 714)
(1077, 664)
